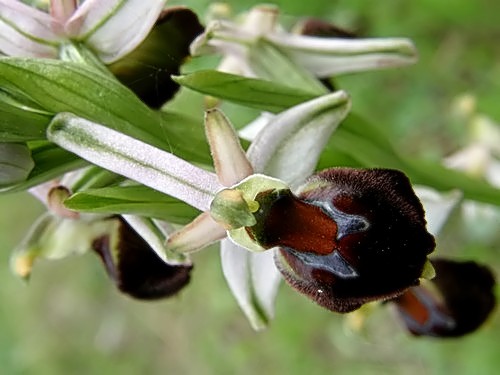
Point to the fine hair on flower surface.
(306, 168)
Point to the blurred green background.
(69, 319)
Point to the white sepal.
(326, 57)
(134, 159)
(288, 147)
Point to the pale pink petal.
(61, 11)
(26, 31)
(198, 234)
(114, 28)
(230, 161)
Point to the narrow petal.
(230, 161)
(289, 146)
(113, 28)
(329, 56)
(134, 159)
(26, 31)
(61, 11)
(55, 202)
(253, 280)
(200, 233)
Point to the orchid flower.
(461, 297)
(314, 121)
(456, 302)
(238, 203)
(242, 45)
(103, 25)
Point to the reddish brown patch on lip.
(289, 222)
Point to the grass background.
(70, 320)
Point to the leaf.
(185, 137)
(269, 62)
(433, 174)
(19, 123)
(92, 177)
(50, 161)
(60, 86)
(250, 92)
(360, 143)
(135, 199)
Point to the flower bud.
(137, 270)
(16, 163)
(456, 302)
(350, 236)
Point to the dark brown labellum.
(135, 267)
(349, 237)
(456, 302)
